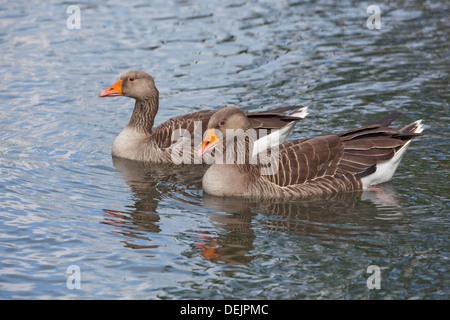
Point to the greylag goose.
(140, 141)
(351, 160)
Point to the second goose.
(351, 160)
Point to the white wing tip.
(301, 113)
(419, 126)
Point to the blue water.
(150, 233)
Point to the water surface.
(139, 232)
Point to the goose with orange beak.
(349, 161)
(140, 141)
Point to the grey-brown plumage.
(348, 161)
(140, 141)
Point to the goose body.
(348, 161)
(140, 141)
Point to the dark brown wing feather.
(337, 162)
(270, 119)
(307, 160)
(162, 134)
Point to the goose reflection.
(323, 218)
(149, 184)
(236, 220)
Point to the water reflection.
(148, 183)
(325, 219)
(340, 217)
(55, 149)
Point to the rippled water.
(151, 233)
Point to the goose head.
(224, 121)
(134, 84)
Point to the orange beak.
(114, 90)
(209, 143)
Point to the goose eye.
(222, 122)
(131, 78)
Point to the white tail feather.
(386, 169)
(419, 126)
(301, 113)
